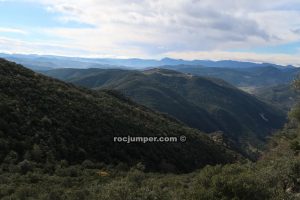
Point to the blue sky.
(264, 31)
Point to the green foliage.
(295, 146)
(230, 182)
(265, 180)
(295, 113)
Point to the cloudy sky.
(259, 31)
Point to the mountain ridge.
(42, 62)
(243, 77)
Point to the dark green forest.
(56, 143)
(45, 120)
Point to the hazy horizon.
(157, 60)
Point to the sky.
(258, 31)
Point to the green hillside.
(275, 176)
(45, 121)
(282, 96)
(203, 103)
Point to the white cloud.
(9, 45)
(12, 30)
(152, 28)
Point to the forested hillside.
(204, 103)
(275, 176)
(44, 121)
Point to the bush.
(25, 166)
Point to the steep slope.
(44, 120)
(203, 103)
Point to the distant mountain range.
(261, 76)
(44, 62)
(207, 104)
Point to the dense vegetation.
(203, 103)
(47, 135)
(44, 121)
(274, 177)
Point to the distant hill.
(44, 62)
(44, 120)
(244, 77)
(203, 103)
(283, 96)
